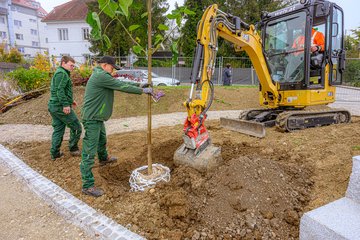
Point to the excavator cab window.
(337, 46)
(284, 48)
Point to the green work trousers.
(93, 142)
(60, 121)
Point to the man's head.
(228, 65)
(108, 64)
(68, 63)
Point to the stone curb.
(338, 220)
(68, 206)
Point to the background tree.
(248, 10)
(120, 40)
(352, 69)
(352, 43)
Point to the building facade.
(67, 30)
(21, 26)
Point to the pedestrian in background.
(60, 106)
(97, 108)
(227, 75)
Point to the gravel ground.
(39, 221)
(27, 132)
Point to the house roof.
(31, 4)
(71, 11)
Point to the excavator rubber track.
(288, 121)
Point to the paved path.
(348, 98)
(29, 133)
(23, 215)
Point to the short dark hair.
(66, 59)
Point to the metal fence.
(242, 69)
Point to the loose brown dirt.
(260, 192)
(262, 189)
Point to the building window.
(35, 44)
(33, 32)
(35, 4)
(13, 8)
(2, 20)
(63, 34)
(3, 35)
(85, 33)
(17, 23)
(32, 20)
(46, 40)
(21, 49)
(19, 36)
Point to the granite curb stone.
(71, 208)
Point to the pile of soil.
(260, 192)
(35, 111)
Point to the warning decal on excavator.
(291, 99)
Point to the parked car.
(140, 75)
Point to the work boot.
(93, 191)
(57, 156)
(75, 153)
(108, 160)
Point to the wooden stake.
(149, 154)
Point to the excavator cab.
(303, 47)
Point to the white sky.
(350, 7)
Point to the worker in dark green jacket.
(60, 107)
(97, 108)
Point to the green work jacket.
(61, 93)
(99, 94)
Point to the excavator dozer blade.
(251, 128)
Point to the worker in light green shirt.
(97, 108)
(60, 107)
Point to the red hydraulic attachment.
(196, 135)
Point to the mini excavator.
(289, 79)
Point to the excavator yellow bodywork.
(290, 78)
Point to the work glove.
(148, 90)
(157, 95)
(146, 85)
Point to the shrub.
(41, 62)
(13, 56)
(352, 72)
(81, 75)
(30, 79)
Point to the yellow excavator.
(290, 78)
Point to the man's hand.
(66, 110)
(146, 85)
(147, 90)
(315, 48)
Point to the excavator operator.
(317, 41)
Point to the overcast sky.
(350, 7)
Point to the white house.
(67, 30)
(21, 26)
